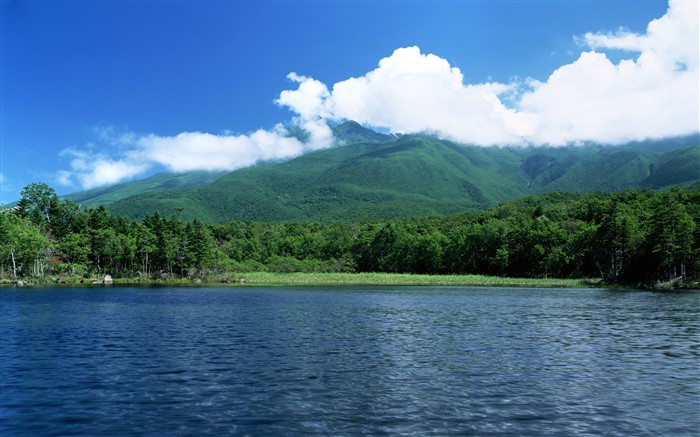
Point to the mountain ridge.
(374, 176)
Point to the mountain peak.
(353, 132)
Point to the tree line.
(629, 237)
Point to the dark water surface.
(348, 361)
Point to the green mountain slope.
(677, 167)
(345, 133)
(607, 170)
(544, 165)
(375, 176)
(409, 176)
(156, 183)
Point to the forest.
(626, 237)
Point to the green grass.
(260, 278)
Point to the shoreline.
(254, 279)
(258, 279)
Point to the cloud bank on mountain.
(651, 93)
(189, 151)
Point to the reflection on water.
(348, 361)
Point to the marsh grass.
(408, 279)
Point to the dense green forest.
(633, 236)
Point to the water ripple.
(349, 361)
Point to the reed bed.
(262, 278)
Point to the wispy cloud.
(92, 169)
(187, 151)
(653, 93)
(5, 188)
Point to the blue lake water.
(348, 361)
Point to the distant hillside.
(157, 183)
(381, 176)
(345, 133)
(606, 170)
(411, 176)
(677, 167)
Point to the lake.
(348, 361)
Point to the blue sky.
(99, 92)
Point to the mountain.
(345, 133)
(677, 167)
(156, 183)
(606, 170)
(353, 132)
(371, 176)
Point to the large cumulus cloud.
(653, 93)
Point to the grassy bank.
(291, 279)
(406, 279)
(390, 279)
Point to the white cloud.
(413, 92)
(653, 93)
(592, 99)
(308, 99)
(188, 151)
(671, 38)
(3, 188)
(93, 169)
(191, 151)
